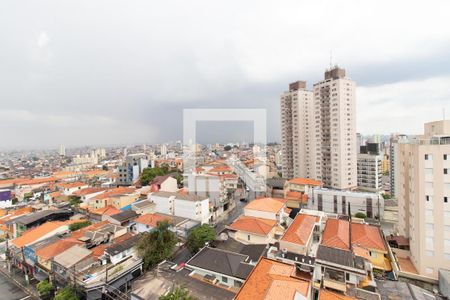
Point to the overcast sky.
(105, 72)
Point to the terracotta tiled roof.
(39, 181)
(220, 169)
(79, 233)
(35, 234)
(336, 234)
(272, 280)
(253, 225)
(301, 229)
(305, 181)
(107, 211)
(297, 196)
(87, 191)
(267, 204)
(367, 236)
(328, 295)
(114, 192)
(152, 219)
(56, 248)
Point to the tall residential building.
(369, 168)
(422, 180)
(393, 141)
(62, 150)
(163, 150)
(296, 121)
(319, 131)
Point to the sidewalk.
(18, 278)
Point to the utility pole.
(25, 267)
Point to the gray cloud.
(104, 72)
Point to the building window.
(445, 199)
(224, 279)
(428, 157)
(248, 237)
(446, 171)
(445, 156)
(428, 198)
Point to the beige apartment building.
(319, 131)
(422, 178)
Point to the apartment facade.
(422, 178)
(369, 168)
(131, 168)
(319, 131)
(296, 120)
(393, 141)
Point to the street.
(9, 290)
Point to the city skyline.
(65, 80)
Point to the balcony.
(334, 284)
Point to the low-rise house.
(253, 230)
(98, 215)
(366, 240)
(296, 191)
(88, 193)
(143, 207)
(103, 199)
(164, 183)
(148, 222)
(219, 266)
(48, 252)
(272, 279)
(298, 238)
(68, 188)
(267, 208)
(66, 264)
(182, 205)
(123, 218)
(120, 251)
(275, 187)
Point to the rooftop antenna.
(331, 59)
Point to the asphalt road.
(10, 291)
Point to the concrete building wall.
(423, 193)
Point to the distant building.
(131, 168)
(336, 201)
(62, 150)
(369, 168)
(182, 205)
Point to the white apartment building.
(422, 179)
(369, 172)
(319, 131)
(336, 201)
(369, 167)
(182, 205)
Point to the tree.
(79, 225)
(157, 245)
(67, 293)
(360, 215)
(199, 236)
(177, 293)
(75, 200)
(148, 174)
(227, 148)
(45, 289)
(386, 196)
